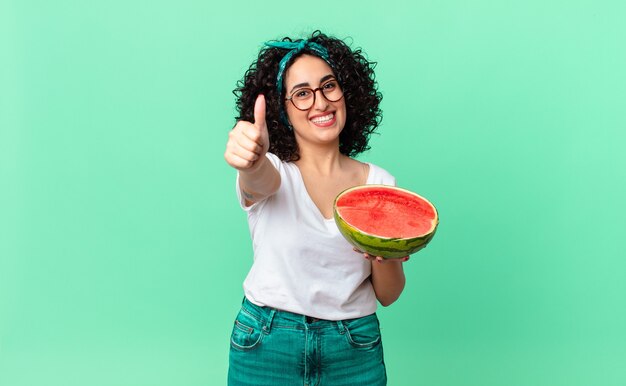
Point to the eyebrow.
(306, 84)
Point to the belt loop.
(340, 326)
(268, 323)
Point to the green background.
(123, 249)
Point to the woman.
(308, 315)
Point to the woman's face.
(324, 120)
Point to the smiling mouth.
(324, 120)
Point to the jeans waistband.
(275, 316)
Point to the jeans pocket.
(247, 332)
(363, 333)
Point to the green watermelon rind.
(388, 248)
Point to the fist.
(248, 142)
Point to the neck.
(320, 159)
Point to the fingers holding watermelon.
(380, 259)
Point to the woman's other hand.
(380, 259)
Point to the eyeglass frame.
(320, 88)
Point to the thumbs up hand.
(248, 142)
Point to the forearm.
(260, 182)
(388, 281)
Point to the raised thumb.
(259, 111)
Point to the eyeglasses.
(304, 98)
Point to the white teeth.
(323, 119)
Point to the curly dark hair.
(355, 75)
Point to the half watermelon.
(385, 220)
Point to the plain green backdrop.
(123, 249)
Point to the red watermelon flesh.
(387, 213)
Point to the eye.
(301, 94)
(330, 85)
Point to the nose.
(320, 100)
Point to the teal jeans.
(277, 348)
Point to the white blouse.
(302, 263)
